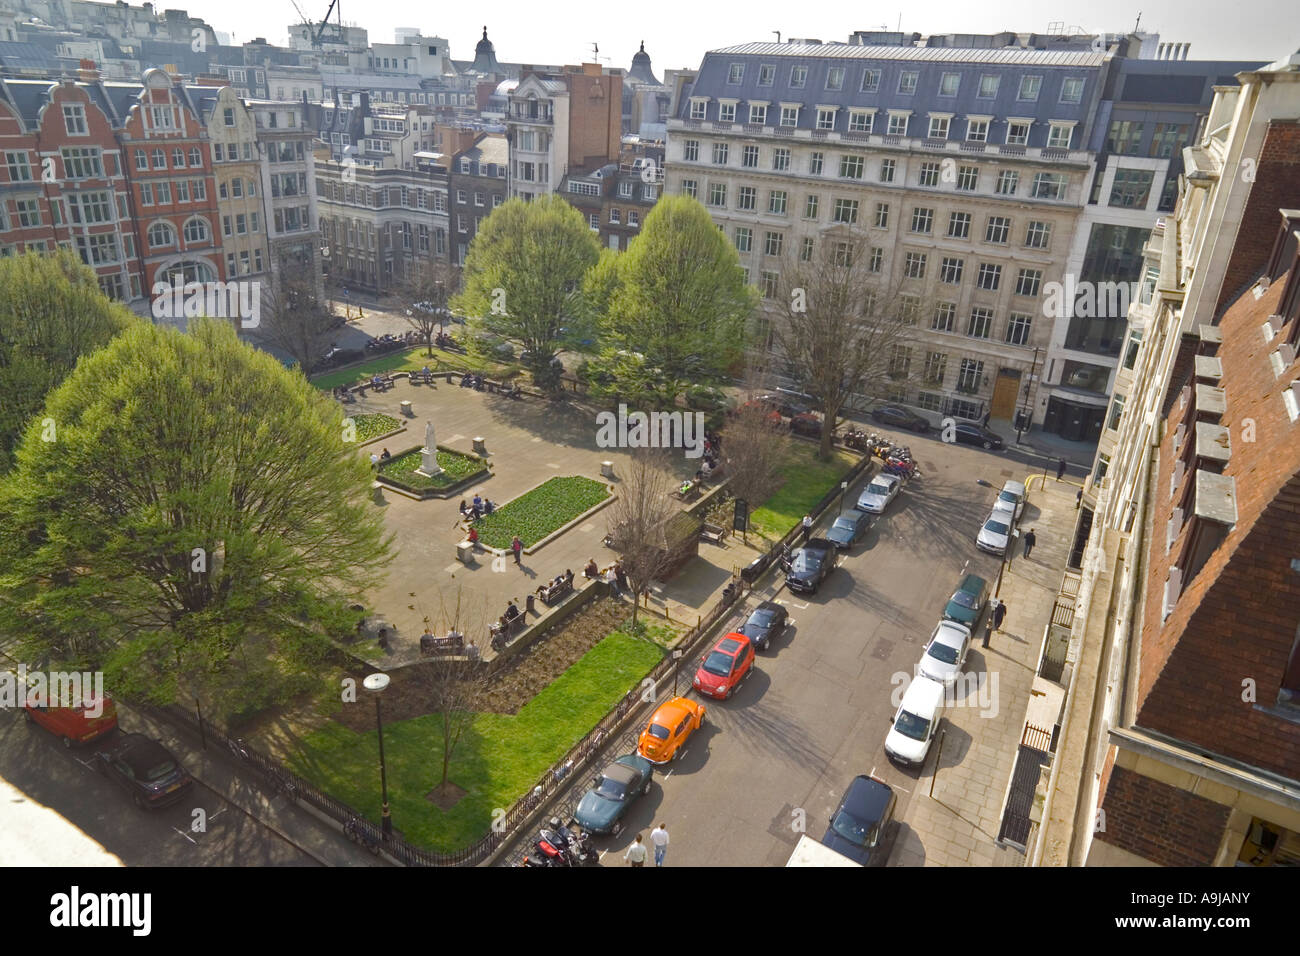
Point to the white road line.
(802, 607)
(187, 836)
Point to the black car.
(859, 827)
(848, 529)
(811, 565)
(602, 807)
(145, 769)
(765, 624)
(807, 424)
(968, 433)
(900, 417)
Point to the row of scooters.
(559, 845)
(897, 458)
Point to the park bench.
(441, 645)
(713, 533)
(553, 594)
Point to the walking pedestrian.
(988, 631)
(517, 547)
(636, 853)
(1078, 499)
(1030, 541)
(659, 837)
(1060, 469)
(999, 614)
(807, 528)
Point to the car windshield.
(943, 652)
(159, 769)
(658, 731)
(878, 488)
(717, 663)
(611, 788)
(997, 527)
(853, 829)
(761, 618)
(1009, 497)
(964, 599)
(910, 725)
(842, 524)
(808, 561)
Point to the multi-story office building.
(289, 191)
(615, 198)
(477, 164)
(237, 169)
(1181, 746)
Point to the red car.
(94, 718)
(724, 667)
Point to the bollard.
(480, 446)
(607, 469)
(377, 490)
(406, 408)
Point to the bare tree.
(424, 295)
(842, 328)
(295, 320)
(755, 449)
(454, 687)
(638, 519)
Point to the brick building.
(478, 162)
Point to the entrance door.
(1005, 392)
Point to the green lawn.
(372, 426)
(411, 360)
(498, 759)
(806, 480)
(535, 514)
(455, 467)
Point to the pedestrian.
(987, 416)
(374, 460)
(999, 614)
(1060, 469)
(636, 853)
(473, 537)
(988, 631)
(1078, 499)
(517, 547)
(620, 578)
(1030, 541)
(472, 651)
(807, 528)
(659, 837)
(385, 455)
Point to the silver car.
(946, 653)
(879, 493)
(995, 533)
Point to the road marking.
(453, 567)
(187, 836)
(802, 607)
(454, 438)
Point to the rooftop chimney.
(87, 72)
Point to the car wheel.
(645, 788)
(617, 828)
(988, 445)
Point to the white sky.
(677, 32)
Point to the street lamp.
(375, 684)
(844, 490)
(677, 664)
(1007, 557)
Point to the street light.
(375, 684)
(1007, 557)
(844, 490)
(677, 664)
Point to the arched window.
(161, 234)
(186, 271)
(196, 230)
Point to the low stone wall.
(589, 591)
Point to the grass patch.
(497, 760)
(805, 479)
(411, 360)
(455, 467)
(537, 513)
(372, 426)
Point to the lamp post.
(1007, 557)
(677, 666)
(844, 490)
(375, 684)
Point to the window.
(593, 220)
(1072, 89)
(1167, 139)
(697, 109)
(1048, 186)
(178, 158)
(1116, 410)
(914, 265)
(870, 81)
(860, 121)
(717, 194)
(950, 270)
(815, 163)
(882, 215)
(806, 249)
(141, 160)
(776, 202)
(968, 378)
(1124, 138)
(1134, 344)
(781, 159)
(690, 188)
(922, 219)
(766, 74)
(726, 112)
(1058, 135)
(614, 217)
(789, 116)
(1008, 182)
(146, 194)
(928, 175)
(735, 73)
(909, 307)
(826, 118)
(1017, 133)
(977, 131)
(164, 193)
(798, 76)
(772, 243)
(99, 249)
(768, 283)
(959, 225)
(852, 167)
(1028, 281)
(875, 259)
(981, 322)
(997, 230)
(900, 361)
(968, 178)
(907, 81)
(898, 124)
(888, 167)
(746, 197)
(989, 83)
(82, 163)
(936, 363)
(633, 218)
(161, 234)
(810, 204)
(624, 191)
(749, 157)
(691, 150)
(720, 151)
(74, 119)
(1131, 188)
(89, 208)
(1018, 328)
(835, 78)
(949, 83)
(237, 188)
(199, 189)
(939, 127)
(28, 212)
(1029, 87)
(196, 230)
(846, 211)
(744, 239)
(989, 276)
(945, 314)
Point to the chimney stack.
(87, 72)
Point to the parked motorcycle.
(360, 832)
(571, 846)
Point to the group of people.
(343, 393)
(479, 507)
(381, 457)
(613, 575)
(565, 578)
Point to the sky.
(677, 32)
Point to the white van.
(916, 722)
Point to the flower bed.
(537, 513)
(372, 426)
(400, 470)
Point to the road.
(774, 760)
(204, 830)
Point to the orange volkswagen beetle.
(669, 729)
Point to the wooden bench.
(441, 645)
(713, 533)
(553, 594)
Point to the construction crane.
(318, 31)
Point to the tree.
(755, 451)
(454, 688)
(638, 518)
(523, 279)
(296, 321)
(843, 328)
(52, 312)
(425, 294)
(200, 521)
(677, 297)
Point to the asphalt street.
(773, 761)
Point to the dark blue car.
(602, 807)
(848, 529)
(859, 827)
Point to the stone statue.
(429, 454)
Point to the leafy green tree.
(678, 298)
(51, 313)
(523, 280)
(199, 523)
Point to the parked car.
(808, 424)
(92, 719)
(860, 825)
(145, 769)
(811, 565)
(847, 530)
(915, 723)
(898, 417)
(968, 433)
(946, 653)
(602, 807)
(765, 624)
(967, 602)
(771, 415)
(787, 404)
(669, 729)
(883, 489)
(1012, 498)
(724, 667)
(995, 533)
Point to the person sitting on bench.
(568, 577)
(591, 571)
(488, 507)
(512, 612)
(473, 537)
(385, 455)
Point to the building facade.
(477, 185)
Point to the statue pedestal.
(429, 467)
